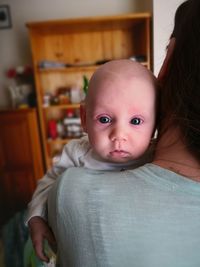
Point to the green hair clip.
(85, 84)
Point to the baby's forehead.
(120, 75)
(124, 73)
(123, 69)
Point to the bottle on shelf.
(72, 124)
(60, 129)
(52, 129)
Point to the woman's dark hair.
(179, 17)
(180, 92)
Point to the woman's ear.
(83, 115)
(164, 68)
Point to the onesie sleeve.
(71, 153)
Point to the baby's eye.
(104, 119)
(136, 121)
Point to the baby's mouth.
(119, 153)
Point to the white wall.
(14, 43)
(163, 17)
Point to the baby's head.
(120, 110)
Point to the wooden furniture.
(78, 46)
(21, 163)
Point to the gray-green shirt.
(146, 217)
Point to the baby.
(119, 118)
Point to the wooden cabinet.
(21, 163)
(66, 50)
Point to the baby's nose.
(118, 134)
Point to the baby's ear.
(83, 115)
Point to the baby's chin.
(123, 160)
(118, 157)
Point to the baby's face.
(120, 117)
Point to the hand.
(39, 231)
